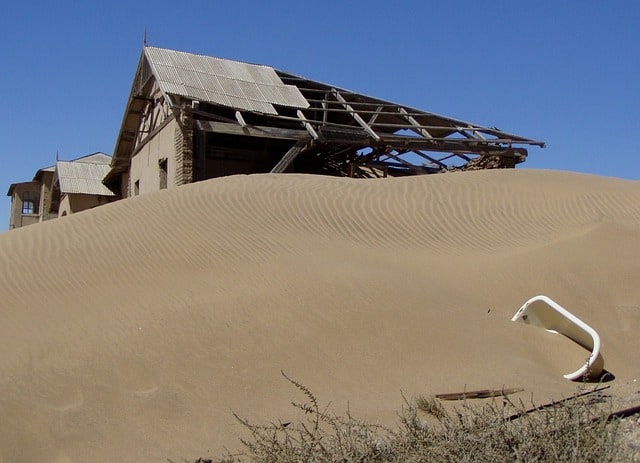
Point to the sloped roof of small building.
(94, 158)
(40, 173)
(84, 175)
(15, 186)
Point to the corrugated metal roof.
(94, 158)
(83, 177)
(234, 84)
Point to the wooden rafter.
(290, 156)
(252, 130)
(355, 115)
(375, 115)
(240, 119)
(416, 126)
(307, 125)
(431, 159)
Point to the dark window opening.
(162, 163)
(136, 188)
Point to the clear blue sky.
(564, 72)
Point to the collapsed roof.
(329, 129)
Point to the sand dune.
(131, 332)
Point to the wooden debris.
(627, 412)
(555, 403)
(481, 394)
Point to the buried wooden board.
(480, 394)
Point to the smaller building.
(64, 188)
(25, 204)
(77, 185)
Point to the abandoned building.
(192, 117)
(59, 190)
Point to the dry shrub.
(430, 406)
(568, 432)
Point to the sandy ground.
(133, 331)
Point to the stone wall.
(184, 147)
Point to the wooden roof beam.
(325, 107)
(477, 133)
(290, 156)
(399, 159)
(372, 121)
(431, 159)
(375, 115)
(472, 133)
(451, 145)
(252, 130)
(416, 126)
(240, 119)
(307, 125)
(356, 116)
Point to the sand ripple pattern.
(177, 306)
(250, 220)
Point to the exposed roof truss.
(355, 135)
(392, 137)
